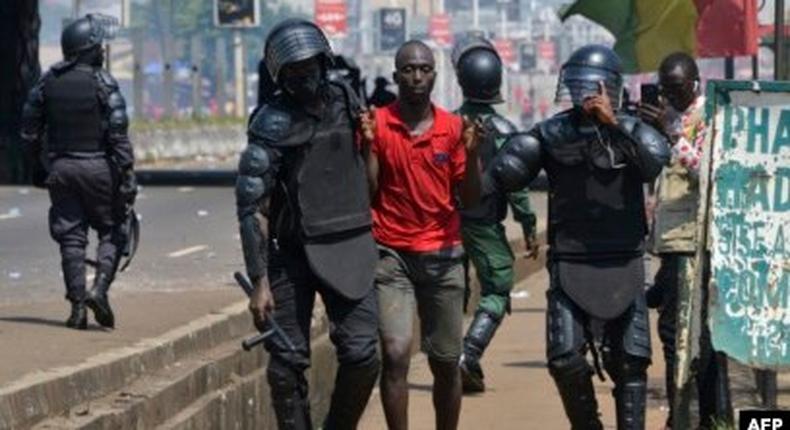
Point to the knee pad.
(564, 333)
(636, 339)
(625, 368)
(285, 380)
(289, 395)
(569, 367)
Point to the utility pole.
(442, 78)
(505, 74)
(220, 63)
(138, 77)
(197, 87)
(238, 63)
(781, 68)
(476, 14)
(167, 60)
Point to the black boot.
(79, 317)
(630, 400)
(573, 378)
(353, 385)
(289, 396)
(98, 302)
(479, 335)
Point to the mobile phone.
(649, 94)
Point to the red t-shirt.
(414, 209)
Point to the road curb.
(40, 395)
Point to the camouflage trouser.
(489, 251)
(675, 278)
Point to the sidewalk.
(36, 341)
(520, 393)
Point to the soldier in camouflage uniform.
(479, 72)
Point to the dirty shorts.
(435, 282)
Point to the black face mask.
(303, 88)
(93, 57)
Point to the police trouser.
(353, 329)
(677, 272)
(488, 249)
(81, 192)
(625, 352)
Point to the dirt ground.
(520, 393)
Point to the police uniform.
(596, 231)
(305, 223)
(80, 109)
(479, 71)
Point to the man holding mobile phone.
(679, 113)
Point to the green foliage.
(721, 424)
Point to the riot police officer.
(305, 225)
(479, 72)
(79, 108)
(597, 160)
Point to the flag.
(649, 30)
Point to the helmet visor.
(577, 83)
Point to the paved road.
(189, 241)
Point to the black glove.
(127, 190)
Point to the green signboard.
(746, 184)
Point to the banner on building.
(237, 13)
(440, 31)
(527, 57)
(507, 51)
(392, 28)
(332, 17)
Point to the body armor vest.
(594, 212)
(73, 112)
(331, 178)
(321, 202)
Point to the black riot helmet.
(294, 40)
(82, 35)
(480, 76)
(479, 70)
(586, 67)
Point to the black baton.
(275, 329)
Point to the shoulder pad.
(249, 189)
(254, 161)
(115, 101)
(627, 122)
(106, 80)
(500, 125)
(652, 140)
(562, 139)
(559, 129)
(278, 126)
(60, 67)
(519, 162)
